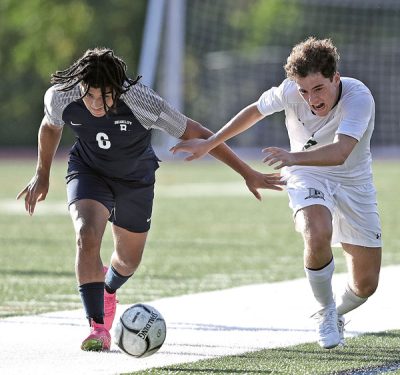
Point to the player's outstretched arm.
(36, 190)
(197, 148)
(335, 153)
(196, 133)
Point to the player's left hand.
(278, 156)
(257, 180)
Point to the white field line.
(199, 326)
(192, 190)
(211, 189)
(10, 207)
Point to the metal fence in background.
(235, 50)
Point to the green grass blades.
(208, 233)
(375, 353)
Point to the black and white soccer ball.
(140, 331)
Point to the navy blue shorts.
(130, 203)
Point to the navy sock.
(92, 296)
(114, 280)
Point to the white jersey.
(353, 115)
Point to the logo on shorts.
(378, 236)
(314, 193)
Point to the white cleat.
(327, 327)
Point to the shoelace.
(329, 323)
(341, 325)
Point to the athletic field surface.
(224, 269)
(199, 326)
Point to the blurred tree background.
(234, 50)
(38, 37)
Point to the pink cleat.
(110, 306)
(98, 340)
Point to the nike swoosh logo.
(148, 220)
(73, 124)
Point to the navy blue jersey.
(117, 145)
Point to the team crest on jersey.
(314, 193)
(309, 143)
(123, 124)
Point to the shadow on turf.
(389, 367)
(215, 371)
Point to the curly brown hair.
(312, 56)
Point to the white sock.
(321, 284)
(348, 301)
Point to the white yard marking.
(199, 326)
(211, 189)
(11, 207)
(192, 190)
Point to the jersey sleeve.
(357, 113)
(154, 112)
(53, 107)
(272, 100)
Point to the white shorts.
(354, 209)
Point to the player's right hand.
(197, 147)
(34, 192)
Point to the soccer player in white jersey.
(111, 172)
(329, 120)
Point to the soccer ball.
(140, 331)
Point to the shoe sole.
(330, 346)
(93, 345)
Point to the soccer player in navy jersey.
(111, 172)
(330, 120)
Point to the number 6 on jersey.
(102, 141)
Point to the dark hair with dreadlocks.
(97, 68)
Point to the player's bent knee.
(87, 237)
(315, 243)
